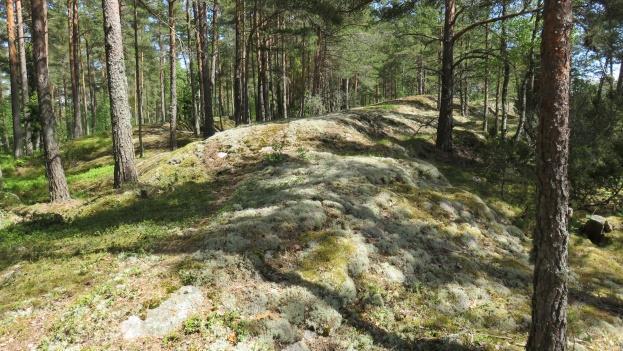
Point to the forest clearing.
(311, 175)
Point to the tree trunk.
(245, 70)
(57, 183)
(123, 149)
(74, 63)
(620, 81)
(161, 71)
(506, 72)
(24, 78)
(283, 100)
(209, 70)
(496, 124)
(85, 99)
(172, 76)
(549, 300)
(91, 88)
(238, 70)
(446, 123)
(485, 112)
(14, 74)
(191, 72)
(137, 80)
(199, 9)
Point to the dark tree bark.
(172, 76)
(92, 89)
(239, 65)
(57, 184)
(123, 148)
(209, 71)
(191, 72)
(199, 10)
(137, 80)
(496, 124)
(74, 63)
(549, 300)
(14, 74)
(446, 123)
(284, 76)
(163, 107)
(485, 112)
(259, 100)
(24, 78)
(506, 73)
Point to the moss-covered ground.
(341, 232)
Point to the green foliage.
(596, 162)
(192, 325)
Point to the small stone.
(595, 228)
(221, 155)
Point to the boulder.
(596, 228)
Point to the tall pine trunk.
(162, 110)
(506, 73)
(209, 71)
(239, 64)
(24, 78)
(549, 300)
(74, 62)
(485, 112)
(123, 149)
(446, 123)
(14, 74)
(92, 90)
(172, 77)
(137, 80)
(57, 183)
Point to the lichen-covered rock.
(165, 318)
(596, 228)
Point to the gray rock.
(596, 228)
(167, 317)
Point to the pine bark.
(259, 105)
(191, 70)
(92, 90)
(74, 62)
(485, 112)
(162, 109)
(549, 300)
(172, 76)
(283, 100)
(239, 64)
(24, 78)
(123, 148)
(57, 183)
(137, 80)
(14, 74)
(506, 73)
(209, 70)
(199, 9)
(446, 123)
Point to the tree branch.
(491, 20)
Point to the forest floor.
(340, 232)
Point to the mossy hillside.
(332, 232)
